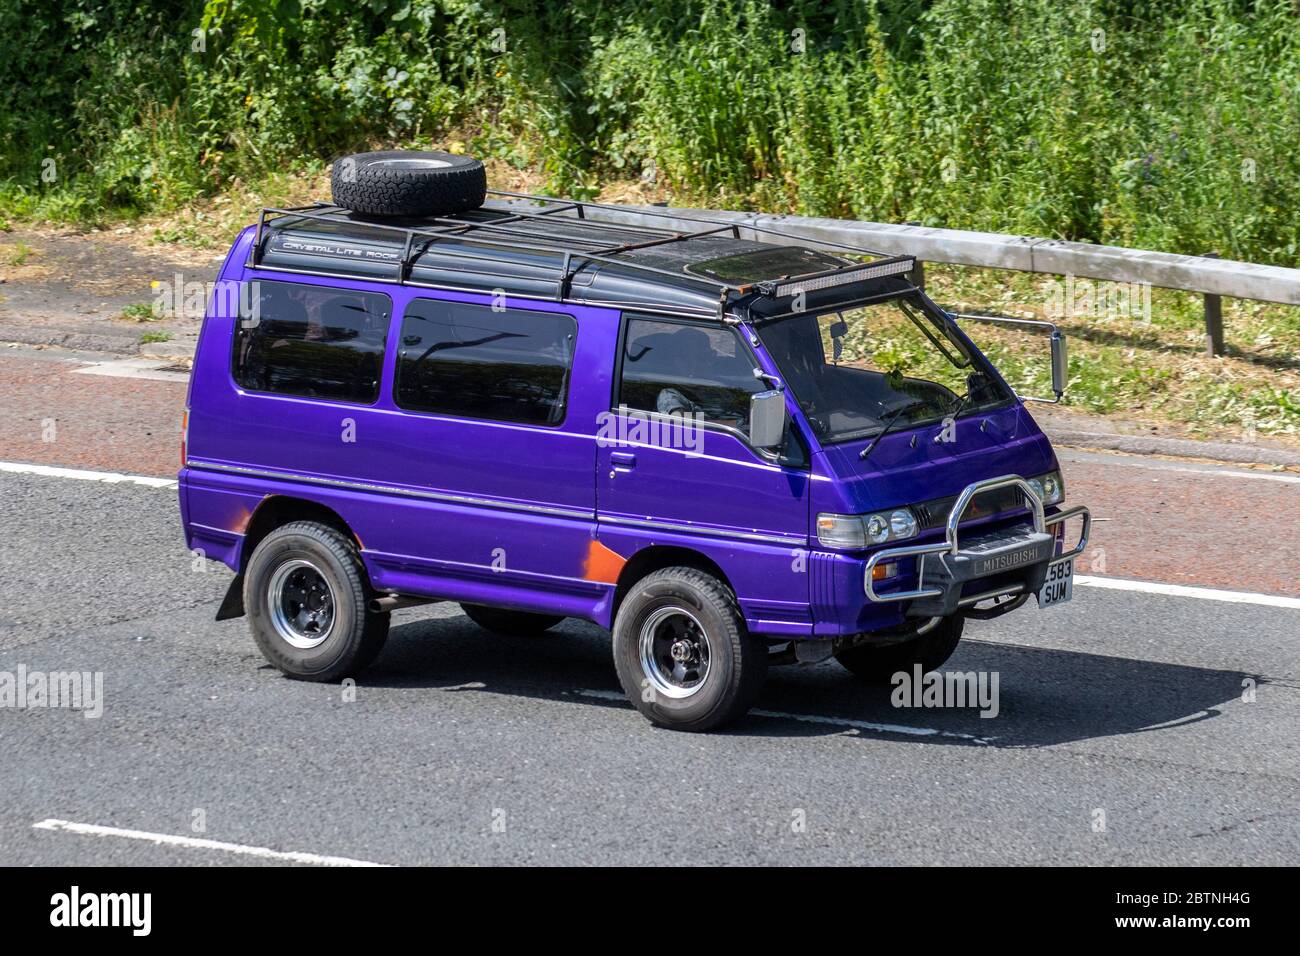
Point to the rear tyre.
(501, 621)
(682, 652)
(308, 602)
(931, 650)
(408, 183)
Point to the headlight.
(854, 532)
(902, 524)
(1049, 488)
(877, 528)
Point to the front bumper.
(989, 567)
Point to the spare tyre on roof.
(408, 183)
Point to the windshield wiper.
(889, 423)
(958, 404)
(962, 402)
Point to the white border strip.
(1186, 591)
(194, 843)
(108, 477)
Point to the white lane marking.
(830, 721)
(1187, 591)
(151, 369)
(109, 477)
(1160, 464)
(1118, 584)
(194, 843)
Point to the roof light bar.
(828, 280)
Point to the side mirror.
(1060, 364)
(1060, 357)
(766, 419)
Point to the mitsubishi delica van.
(729, 448)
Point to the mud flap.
(232, 605)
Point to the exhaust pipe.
(392, 602)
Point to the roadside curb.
(1174, 447)
(75, 340)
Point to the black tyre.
(877, 664)
(408, 183)
(501, 621)
(683, 654)
(308, 603)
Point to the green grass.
(19, 254)
(139, 312)
(1145, 367)
(148, 338)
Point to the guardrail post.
(917, 275)
(1213, 319)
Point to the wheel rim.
(674, 652)
(413, 163)
(302, 604)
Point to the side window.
(671, 367)
(312, 340)
(466, 360)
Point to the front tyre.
(682, 652)
(877, 664)
(307, 597)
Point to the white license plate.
(1058, 587)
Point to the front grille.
(934, 513)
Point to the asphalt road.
(1179, 522)
(1122, 707)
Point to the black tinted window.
(473, 362)
(313, 341)
(670, 367)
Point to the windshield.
(851, 371)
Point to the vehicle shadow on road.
(1044, 696)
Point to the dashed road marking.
(195, 843)
(841, 722)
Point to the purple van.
(732, 453)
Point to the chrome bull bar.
(951, 545)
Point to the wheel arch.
(273, 512)
(656, 557)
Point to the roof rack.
(497, 233)
(753, 227)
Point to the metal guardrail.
(1209, 275)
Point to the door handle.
(622, 460)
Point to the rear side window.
(313, 341)
(675, 368)
(466, 360)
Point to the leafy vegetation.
(1138, 122)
